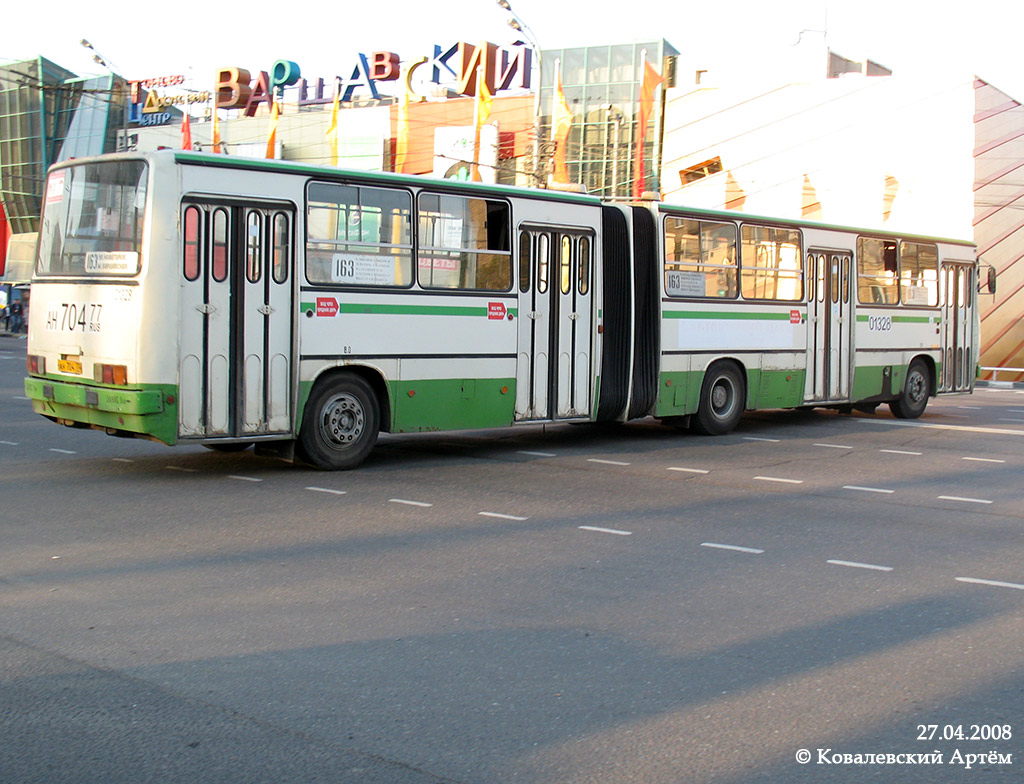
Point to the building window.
(700, 171)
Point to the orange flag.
(216, 131)
(561, 124)
(647, 88)
(186, 133)
(272, 138)
(481, 112)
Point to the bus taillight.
(111, 374)
(36, 365)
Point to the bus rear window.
(92, 220)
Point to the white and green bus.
(205, 299)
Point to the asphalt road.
(562, 604)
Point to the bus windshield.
(92, 220)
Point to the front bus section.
(83, 346)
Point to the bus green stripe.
(408, 310)
(725, 315)
(903, 319)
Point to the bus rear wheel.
(340, 425)
(721, 400)
(914, 398)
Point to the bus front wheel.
(912, 402)
(340, 425)
(721, 400)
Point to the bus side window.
(220, 245)
(524, 261)
(584, 265)
(254, 247)
(282, 241)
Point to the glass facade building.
(602, 88)
(47, 114)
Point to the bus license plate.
(69, 366)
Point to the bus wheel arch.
(723, 396)
(918, 386)
(341, 419)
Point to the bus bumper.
(146, 413)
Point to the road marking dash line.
(122, 460)
(966, 500)
(835, 446)
(983, 459)
(537, 454)
(327, 490)
(180, 468)
(779, 479)
(605, 530)
(689, 470)
(996, 583)
(501, 516)
(606, 462)
(736, 547)
(868, 489)
(244, 478)
(900, 452)
(9, 443)
(408, 503)
(858, 565)
(64, 451)
(755, 438)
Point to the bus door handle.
(534, 314)
(206, 308)
(574, 316)
(266, 310)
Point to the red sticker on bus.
(326, 306)
(496, 311)
(794, 317)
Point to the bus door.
(236, 319)
(958, 304)
(830, 322)
(553, 375)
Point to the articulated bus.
(205, 299)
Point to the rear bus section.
(85, 364)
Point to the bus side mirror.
(991, 281)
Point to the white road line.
(606, 462)
(857, 565)
(1014, 411)
(735, 547)
(1007, 419)
(179, 468)
(537, 454)
(963, 416)
(122, 460)
(19, 397)
(900, 452)
(605, 530)
(503, 516)
(995, 583)
(999, 431)
(64, 451)
(966, 500)
(778, 479)
(244, 478)
(9, 443)
(983, 459)
(867, 489)
(327, 490)
(835, 446)
(755, 438)
(689, 470)
(970, 408)
(408, 503)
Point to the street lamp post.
(122, 90)
(520, 26)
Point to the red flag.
(647, 88)
(186, 133)
(561, 124)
